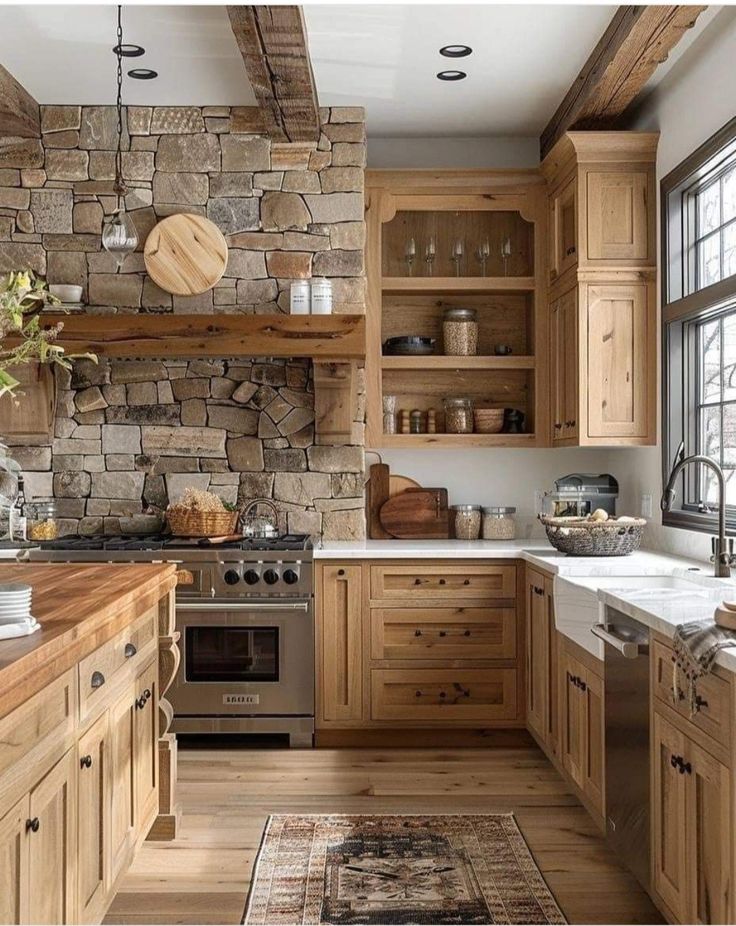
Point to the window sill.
(694, 521)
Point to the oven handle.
(241, 606)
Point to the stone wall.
(132, 435)
(128, 435)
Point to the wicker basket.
(202, 523)
(583, 537)
(488, 420)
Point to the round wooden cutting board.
(185, 254)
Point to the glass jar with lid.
(466, 519)
(460, 332)
(42, 522)
(459, 415)
(499, 523)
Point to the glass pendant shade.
(119, 235)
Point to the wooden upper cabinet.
(563, 228)
(617, 216)
(28, 417)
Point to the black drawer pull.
(700, 703)
(443, 633)
(466, 633)
(558, 426)
(686, 768)
(417, 581)
(341, 572)
(443, 694)
(570, 251)
(417, 694)
(675, 760)
(33, 825)
(443, 581)
(130, 650)
(98, 680)
(147, 693)
(466, 582)
(417, 633)
(85, 762)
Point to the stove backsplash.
(132, 435)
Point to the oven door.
(244, 658)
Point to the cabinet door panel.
(563, 229)
(558, 360)
(593, 756)
(569, 306)
(617, 317)
(145, 749)
(14, 887)
(552, 731)
(93, 877)
(53, 844)
(669, 836)
(571, 719)
(708, 838)
(617, 215)
(341, 642)
(122, 809)
(537, 646)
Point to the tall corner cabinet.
(602, 288)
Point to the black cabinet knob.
(291, 577)
(130, 650)
(231, 577)
(443, 633)
(33, 825)
(466, 582)
(341, 572)
(466, 633)
(97, 680)
(270, 577)
(86, 762)
(250, 577)
(443, 581)
(417, 694)
(417, 633)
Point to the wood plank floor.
(226, 796)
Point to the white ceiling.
(62, 54)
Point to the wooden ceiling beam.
(273, 43)
(637, 41)
(19, 112)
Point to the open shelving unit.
(407, 295)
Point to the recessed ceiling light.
(129, 51)
(142, 74)
(452, 75)
(456, 51)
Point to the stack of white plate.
(15, 610)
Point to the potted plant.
(23, 296)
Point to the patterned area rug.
(376, 869)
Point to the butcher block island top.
(79, 608)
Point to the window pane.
(729, 195)
(710, 445)
(709, 209)
(729, 250)
(730, 487)
(710, 351)
(709, 260)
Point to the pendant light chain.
(119, 185)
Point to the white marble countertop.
(661, 613)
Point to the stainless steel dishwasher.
(627, 739)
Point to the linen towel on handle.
(696, 646)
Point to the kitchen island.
(82, 731)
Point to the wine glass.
(506, 254)
(458, 251)
(482, 254)
(410, 252)
(430, 252)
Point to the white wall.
(692, 102)
(453, 152)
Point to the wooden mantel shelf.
(327, 337)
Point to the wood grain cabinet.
(541, 660)
(602, 296)
(94, 794)
(340, 644)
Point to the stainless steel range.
(246, 617)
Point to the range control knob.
(251, 577)
(290, 577)
(231, 577)
(270, 577)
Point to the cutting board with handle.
(416, 514)
(377, 493)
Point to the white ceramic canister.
(299, 296)
(321, 296)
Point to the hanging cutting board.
(377, 493)
(397, 484)
(416, 514)
(185, 254)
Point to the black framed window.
(699, 315)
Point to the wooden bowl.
(488, 420)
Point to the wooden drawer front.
(443, 581)
(44, 718)
(443, 695)
(124, 653)
(713, 695)
(443, 633)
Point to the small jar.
(460, 332)
(499, 523)
(321, 296)
(389, 414)
(299, 297)
(459, 415)
(42, 523)
(466, 519)
(417, 422)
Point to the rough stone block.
(343, 525)
(280, 211)
(255, 291)
(325, 459)
(257, 241)
(301, 181)
(176, 120)
(188, 153)
(16, 152)
(117, 485)
(142, 394)
(233, 214)
(338, 263)
(249, 153)
(268, 180)
(301, 488)
(32, 177)
(71, 484)
(289, 264)
(87, 218)
(335, 207)
(118, 438)
(66, 165)
(115, 289)
(285, 461)
(137, 165)
(88, 400)
(342, 180)
(14, 255)
(185, 441)
(234, 419)
(60, 118)
(191, 388)
(231, 184)
(194, 413)
(52, 210)
(245, 454)
(99, 128)
(180, 187)
(139, 120)
(14, 198)
(303, 241)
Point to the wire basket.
(583, 537)
(202, 523)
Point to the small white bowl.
(67, 292)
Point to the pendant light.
(119, 234)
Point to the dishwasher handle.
(627, 648)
